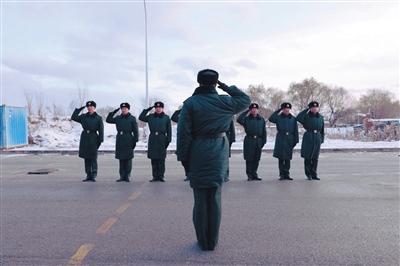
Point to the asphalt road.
(350, 217)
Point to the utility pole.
(146, 55)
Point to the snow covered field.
(64, 135)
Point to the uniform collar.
(159, 115)
(205, 90)
(311, 114)
(94, 114)
(255, 117)
(125, 116)
(286, 116)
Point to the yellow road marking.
(80, 254)
(123, 208)
(106, 225)
(83, 250)
(134, 195)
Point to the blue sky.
(54, 47)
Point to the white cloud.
(357, 49)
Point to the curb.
(75, 152)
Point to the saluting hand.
(148, 109)
(81, 108)
(116, 110)
(222, 85)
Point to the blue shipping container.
(13, 126)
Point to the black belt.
(313, 131)
(124, 132)
(253, 136)
(157, 133)
(211, 136)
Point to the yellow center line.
(123, 208)
(134, 196)
(80, 254)
(106, 225)
(83, 250)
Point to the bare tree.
(82, 95)
(380, 104)
(268, 99)
(56, 110)
(306, 91)
(103, 111)
(335, 99)
(29, 104)
(276, 97)
(39, 97)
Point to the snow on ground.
(64, 135)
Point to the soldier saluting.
(175, 118)
(127, 136)
(201, 140)
(91, 138)
(254, 141)
(159, 139)
(313, 123)
(231, 135)
(287, 137)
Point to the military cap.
(207, 77)
(125, 105)
(253, 105)
(90, 103)
(286, 105)
(313, 104)
(158, 104)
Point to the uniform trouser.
(207, 215)
(226, 178)
(158, 167)
(125, 168)
(284, 167)
(227, 170)
(91, 168)
(186, 167)
(251, 169)
(310, 167)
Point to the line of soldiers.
(160, 137)
(204, 136)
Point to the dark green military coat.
(231, 135)
(204, 115)
(175, 116)
(92, 135)
(127, 134)
(256, 135)
(287, 135)
(314, 135)
(160, 134)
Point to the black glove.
(116, 110)
(98, 145)
(81, 108)
(185, 164)
(222, 86)
(148, 109)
